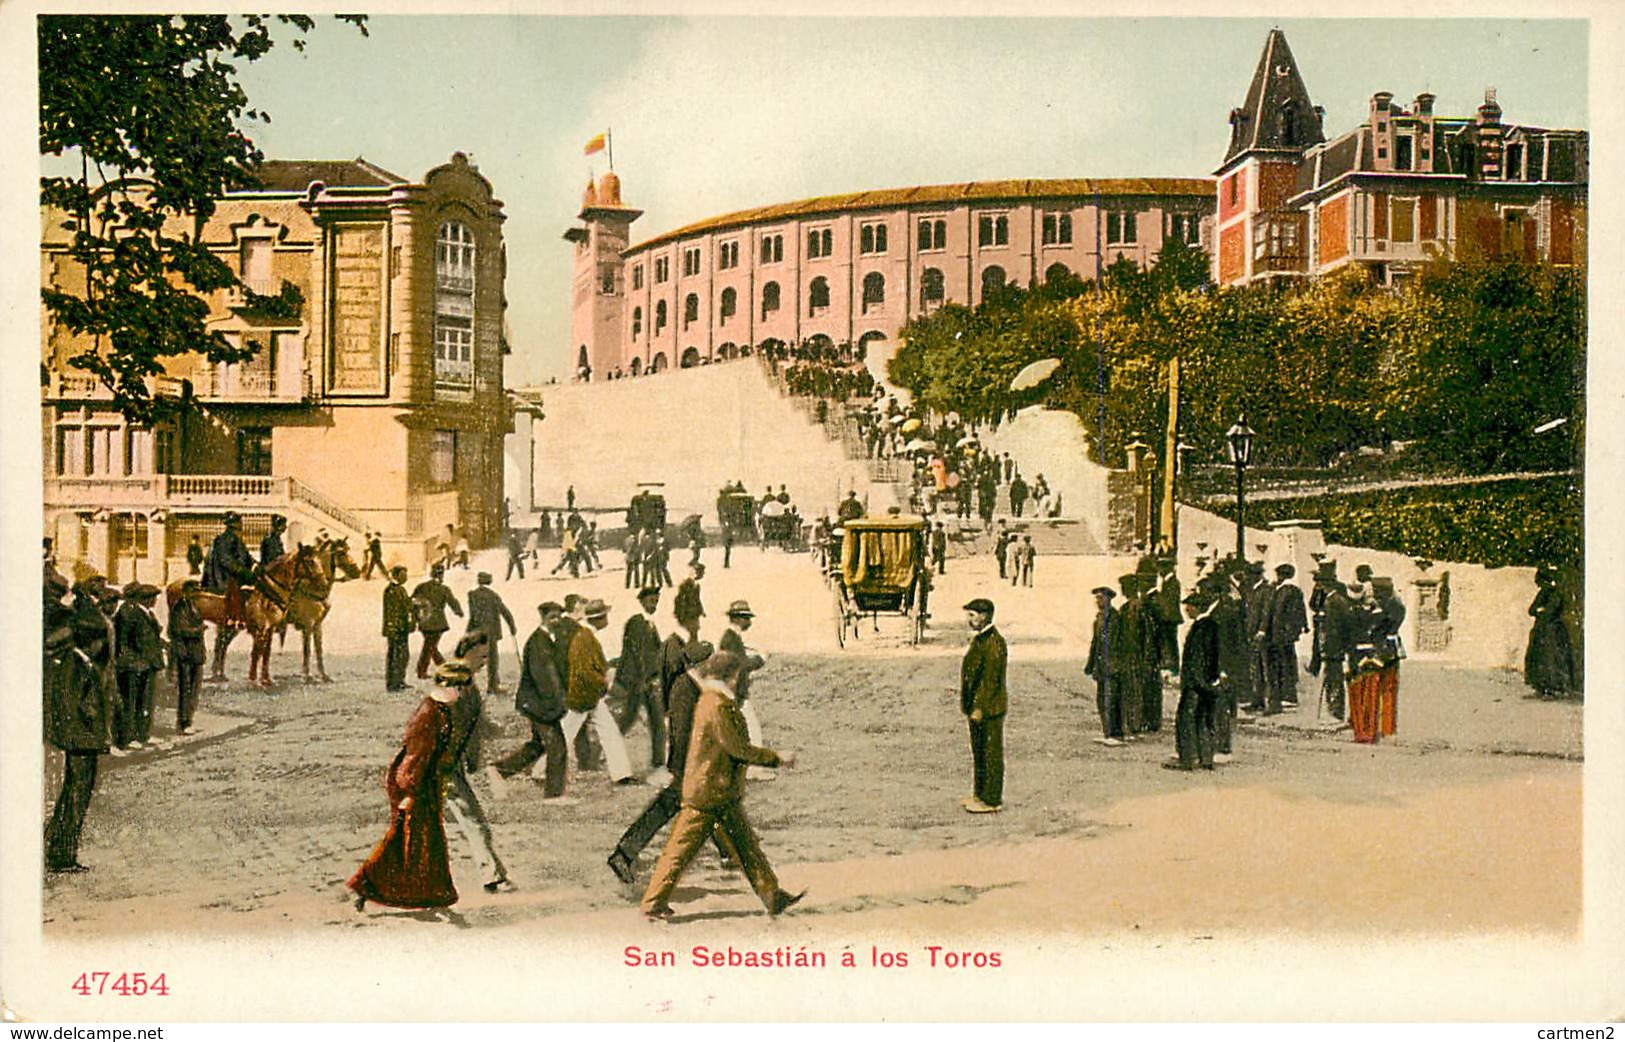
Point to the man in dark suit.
(140, 657)
(399, 622)
(1235, 655)
(1018, 494)
(1195, 723)
(637, 675)
(228, 566)
(78, 707)
(740, 619)
(430, 600)
(1256, 600)
(1288, 619)
(486, 614)
(983, 699)
(1098, 666)
(186, 653)
(271, 545)
(540, 700)
(939, 548)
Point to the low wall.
(1052, 442)
(1488, 616)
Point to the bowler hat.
(980, 604)
(1106, 590)
(740, 608)
(595, 609)
(1285, 571)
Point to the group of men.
(1130, 648)
(1016, 555)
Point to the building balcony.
(200, 493)
(231, 383)
(76, 386)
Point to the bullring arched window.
(992, 279)
(931, 287)
(728, 305)
(660, 316)
(770, 298)
(691, 309)
(818, 296)
(637, 322)
(874, 290)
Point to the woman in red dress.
(411, 867)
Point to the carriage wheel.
(840, 619)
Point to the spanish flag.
(595, 145)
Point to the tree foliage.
(1467, 362)
(151, 109)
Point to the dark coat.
(1389, 614)
(270, 548)
(185, 633)
(228, 563)
(140, 639)
(639, 664)
(486, 612)
(1133, 643)
(398, 612)
(982, 675)
(78, 693)
(681, 699)
(1257, 615)
(541, 691)
(1199, 664)
(1339, 631)
(1288, 618)
(1230, 627)
(431, 598)
(1548, 663)
(1100, 644)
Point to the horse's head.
(339, 563)
(308, 573)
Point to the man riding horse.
(228, 566)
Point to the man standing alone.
(397, 630)
(983, 699)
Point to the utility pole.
(1170, 456)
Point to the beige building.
(374, 401)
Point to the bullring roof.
(925, 195)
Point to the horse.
(308, 606)
(264, 605)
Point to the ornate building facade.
(1404, 187)
(374, 401)
(850, 268)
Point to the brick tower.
(598, 284)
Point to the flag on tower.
(595, 145)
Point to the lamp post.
(1239, 446)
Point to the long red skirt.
(411, 866)
(1388, 693)
(1365, 706)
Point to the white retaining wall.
(1052, 442)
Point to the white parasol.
(1035, 374)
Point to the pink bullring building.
(848, 268)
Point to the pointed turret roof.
(1277, 115)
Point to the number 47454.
(104, 982)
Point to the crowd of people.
(693, 695)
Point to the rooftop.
(296, 175)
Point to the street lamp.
(1239, 446)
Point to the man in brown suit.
(713, 791)
(984, 700)
(585, 684)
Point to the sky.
(712, 114)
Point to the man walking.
(186, 653)
(939, 548)
(540, 700)
(1018, 494)
(713, 795)
(1196, 719)
(463, 755)
(140, 657)
(984, 700)
(430, 600)
(516, 554)
(398, 623)
(585, 685)
(634, 558)
(681, 695)
(1001, 549)
(375, 556)
(637, 674)
(486, 614)
(740, 620)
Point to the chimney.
(1424, 104)
(1424, 132)
(1382, 130)
(1490, 111)
(1490, 133)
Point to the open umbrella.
(917, 445)
(952, 417)
(967, 440)
(1035, 374)
(895, 420)
(910, 426)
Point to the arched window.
(454, 305)
(637, 322)
(583, 370)
(660, 316)
(728, 350)
(992, 280)
(1288, 123)
(770, 299)
(1057, 273)
(691, 358)
(874, 290)
(931, 288)
(659, 363)
(637, 367)
(691, 309)
(728, 305)
(818, 296)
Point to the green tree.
(151, 110)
